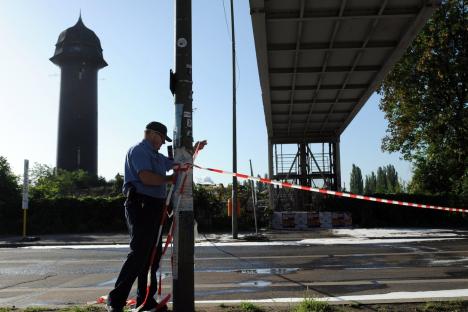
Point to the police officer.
(145, 187)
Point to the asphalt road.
(77, 276)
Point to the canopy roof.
(319, 61)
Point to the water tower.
(78, 53)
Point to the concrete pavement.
(10, 241)
(355, 265)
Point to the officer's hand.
(200, 145)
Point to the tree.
(118, 184)
(10, 197)
(381, 183)
(8, 181)
(261, 187)
(393, 185)
(424, 99)
(50, 182)
(355, 181)
(371, 184)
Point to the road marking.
(336, 283)
(379, 254)
(393, 296)
(260, 284)
(304, 242)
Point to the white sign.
(26, 184)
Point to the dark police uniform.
(143, 212)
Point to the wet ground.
(283, 273)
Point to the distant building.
(78, 53)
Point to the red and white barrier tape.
(329, 192)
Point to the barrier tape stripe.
(329, 192)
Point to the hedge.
(106, 214)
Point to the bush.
(70, 215)
(10, 199)
(250, 307)
(77, 215)
(311, 305)
(373, 214)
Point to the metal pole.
(25, 203)
(270, 174)
(337, 163)
(303, 175)
(234, 130)
(181, 84)
(254, 198)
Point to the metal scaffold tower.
(308, 164)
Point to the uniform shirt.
(144, 157)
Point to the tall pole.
(337, 164)
(270, 173)
(25, 203)
(234, 128)
(181, 85)
(254, 198)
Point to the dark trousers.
(143, 215)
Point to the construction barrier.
(303, 220)
(333, 193)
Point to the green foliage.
(210, 207)
(90, 308)
(117, 184)
(386, 181)
(48, 182)
(393, 185)
(10, 198)
(381, 185)
(450, 306)
(249, 307)
(370, 186)
(36, 309)
(311, 305)
(424, 99)
(8, 181)
(84, 214)
(261, 187)
(355, 182)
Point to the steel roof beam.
(323, 87)
(425, 11)
(296, 59)
(316, 112)
(292, 16)
(329, 69)
(261, 47)
(300, 122)
(308, 139)
(325, 46)
(325, 63)
(318, 101)
(369, 34)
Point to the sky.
(138, 45)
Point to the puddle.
(448, 261)
(269, 271)
(222, 292)
(255, 284)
